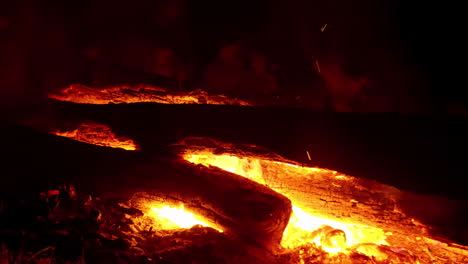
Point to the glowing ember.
(363, 221)
(98, 134)
(333, 236)
(177, 217)
(139, 94)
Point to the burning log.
(239, 206)
(408, 152)
(322, 191)
(364, 209)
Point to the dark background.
(412, 52)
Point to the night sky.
(412, 47)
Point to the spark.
(308, 155)
(317, 65)
(323, 28)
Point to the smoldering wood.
(35, 161)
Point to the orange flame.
(82, 94)
(98, 134)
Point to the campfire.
(202, 200)
(233, 132)
(332, 218)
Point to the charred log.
(243, 208)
